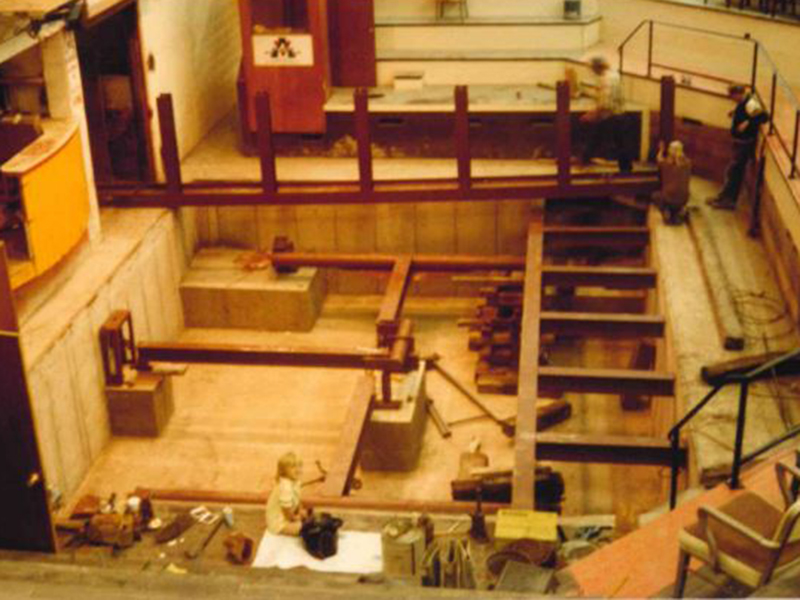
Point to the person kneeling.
(285, 512)
(676, 172)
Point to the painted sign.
(277, 50)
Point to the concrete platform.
(229, 288)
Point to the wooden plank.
(603, 325)
(25, 520)
(605, 381)
(523, 496)
(8, 311)
(605, 449)
(463, 155)
(340, 475)
(363, 139)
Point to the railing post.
(563, 133)
(740, 425)
(793, 171)
(773, 93)
(650, 52)
(463, 155)
(667, 113)
(266, 150)
(364, 140)
(754, 74)
(169, 143)
(622, 58)
(674, 439)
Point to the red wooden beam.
(667, 117)
(340, 475)
(169, 144)
(608, 449)
(561, 237)
(525, 439)
(363, 139)
(563, 133)
(463, 152)
(630, 326)
(266, 149)
(619, 278)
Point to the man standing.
(747, 117)
(608, 120)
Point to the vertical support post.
(463, 154)
(650, 50)
(793, 171)
(386, 386)
(667, 121)
(266, 149)
(364, 140)
(739, 443)
(674, 439)
(754, 73)
(563, 133)
(622, 59)
(772, 99)
(169, 143)
(8, 310)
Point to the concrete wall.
(137, 266)
(196, 50)
(392, 9)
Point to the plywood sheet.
(34, 7)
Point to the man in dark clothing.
(747, 117)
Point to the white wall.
(196, 50)
(61, 345)
(486, 9)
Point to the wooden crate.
(142, 409)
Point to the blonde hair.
(286, 462)
(675, 153)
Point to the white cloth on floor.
(359, 552)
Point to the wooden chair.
(747, 539)
(441, 8)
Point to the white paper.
(358, 552)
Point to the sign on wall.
(276, 50)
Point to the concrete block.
(219, 292)
(143, 408)
(393, 438)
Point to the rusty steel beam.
(266, 148)
(283, 356)
(352, 193)
(463, 152)
(607, 449)
(560, 237)
(437, 263)
(611, 326)
(524, 475)
(605, 381)
(393, 299)
(617, 278)
(169, 145)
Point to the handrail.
(788, 137)
(743, 380)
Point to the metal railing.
(749, 64)
(743, 380)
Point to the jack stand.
(478, 530)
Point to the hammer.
(323, 475)
(225, 517)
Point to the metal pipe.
(793, 171)
(675, 468)
(740, 424)
(650, 51)
(772, 103)
(754, 73)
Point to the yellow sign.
(526, 524)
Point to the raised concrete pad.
(141, 408)
(231, 288)
(393, 438)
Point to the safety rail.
(743, 380)
(751, 65)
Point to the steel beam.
(603, 325)
(607, 449)
(606, 381)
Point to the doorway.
(115, 94)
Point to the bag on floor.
(321, 536)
